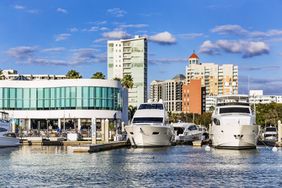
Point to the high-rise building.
(217, 79)
(193, 97)
(170, 91)
(129, 57)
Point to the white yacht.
(233, 123)
(7, 138)
(150, 127)
(187, 132)
(270, 134)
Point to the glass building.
(65, 104)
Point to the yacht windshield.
(234, 110)
(148, 120)
(270, 129)
(151, 106)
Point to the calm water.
(179, 166)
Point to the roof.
(194, 56)
(179, 77)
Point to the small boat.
(233, 123)
(149, 126)
(7, 138)
(270, 134)
(188, 132)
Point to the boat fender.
(274, 149)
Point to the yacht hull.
(234, 136)
(149, 135)
(9, 142)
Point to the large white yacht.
(150, 127)
(7, 138)
(233, 123)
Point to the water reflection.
(178, 166)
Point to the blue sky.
(54, 36)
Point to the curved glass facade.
(75, 97)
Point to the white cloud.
(246, 48)
(133, 25)
(117, 12)
(229, 29)
(25, 9)
(239, 30)
(167, 60)
(21, 52)
(189, 36)
(207, 47)
(19, 7)
(116, 35)
(61, 37)
(57, 49)
(32, 55)
(163, 38)
(73, 29)
(61, 10)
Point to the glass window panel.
(91, 97)
(26, 98)
(47, 98)
(19, 98)
(58, 97)
(73, 97)
(98, 97)
(85, 99)
(79, 97)
(68, 97)
(1, 97)
(63, 97)
(6, 97)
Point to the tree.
(72, 74)
(117, 79)
(131, 111)
(127, 81)
(98, 75)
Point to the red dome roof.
(194, 56)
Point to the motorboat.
(270, 134)
(233, 123)
(150, 127)
(187, 132)
(7, 138)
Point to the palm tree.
(131, 111)
(127, 81)
(72, 74)
(98, 75)
(117, 79)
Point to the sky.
(54, 36)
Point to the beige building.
(170, 91)
(129, 56)
(218, 79)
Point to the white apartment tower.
(129, 56)
(218, 79)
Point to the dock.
(94, 148)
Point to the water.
(179, 166)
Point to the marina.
(178, 166)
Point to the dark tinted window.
(151, 106)
(147, 120)
(234, 110)
(270, 129)
(192, 128)
(3, 130)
